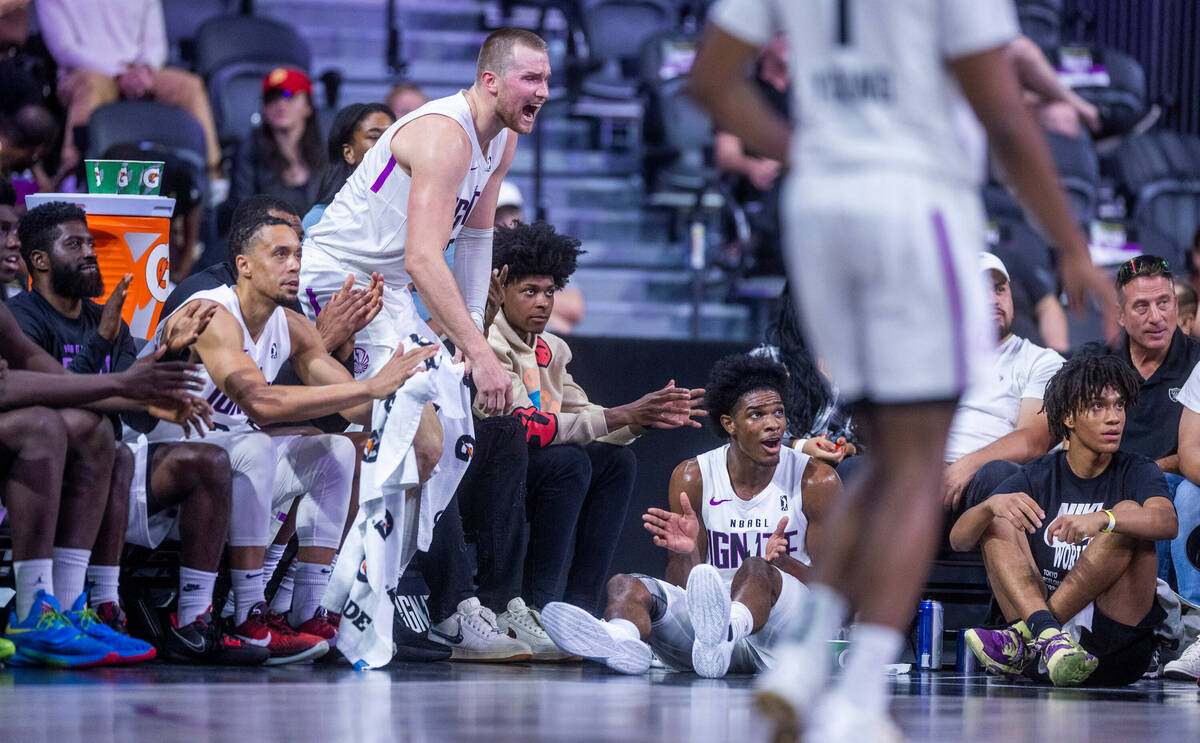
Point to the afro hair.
(734, 376)
(535, 250)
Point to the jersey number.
(843, 23)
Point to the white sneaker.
(525, 624)
(579, 633)
(836, 719)
(708, 607)
(788, 688)
(1187, 666)
(472, 634)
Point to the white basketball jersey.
(364, 227)
(738, 528)
(870, 85)
(269, 353)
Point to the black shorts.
(1125, 652)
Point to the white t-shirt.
(870, 86)
(989, 409)
(1189, 396)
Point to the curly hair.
(734, 376)
(38, 227)
(535, 250)
(1081, 380)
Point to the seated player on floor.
(741, 527)
(1068, 541)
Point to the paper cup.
(138, 177)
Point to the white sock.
(826, 611)
(625, 627)
(70, 571)
(102, 584)
(31, 576)
(195, 594)
(282, 600)
(741, 620)
(872, 646)
(311, 579)
(271, 561)
(247, 591)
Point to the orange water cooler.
(132, 236)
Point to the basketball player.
(434, 176)
(885, 193)
(246, 342)
(739, 531)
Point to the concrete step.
(664, 320)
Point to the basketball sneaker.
(267, 629)
(525, 624)
(836, 719)
(109, 629)
(204, 643)
(1002, 652)
(1062, 659)
(472, 634)
(1187, 666)
(323, 625)
(47, 638)
(579, 633)
(708, 608)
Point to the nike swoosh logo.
(254, 575)
(191, 587)
(714, 502)
(196, 646)
(251, 641)
(452, 639)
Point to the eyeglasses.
(1142, 265)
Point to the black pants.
(489, 508)
(580, 491)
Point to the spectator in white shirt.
(110, 49)
(1000, 418)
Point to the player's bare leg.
(892, 510)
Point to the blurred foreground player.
(883, 196)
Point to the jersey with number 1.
(870, 84)
(365, 227)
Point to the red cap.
(288, 79)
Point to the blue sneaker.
(47, 638)
(108, 628)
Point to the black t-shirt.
(1059, 491)
(1152, 426)
(76, 342)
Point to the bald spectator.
(110, 49)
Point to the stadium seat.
(155, 128)
(1115, 84)
(687, 139)
(1041, 20)
(1159, 174)
(1079, 169)
(665, 56)
(615, 31)
(183, 17)
(233, 54)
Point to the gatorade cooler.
(132, 236)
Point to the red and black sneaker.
(324, 625)
(203, 643)
(265, 628)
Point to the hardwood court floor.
(490, 704)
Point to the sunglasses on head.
(1142, 265)
(275, 94)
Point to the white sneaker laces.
(483, 621)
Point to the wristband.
(1112, 522)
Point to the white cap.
(992, 262)
(510, 195)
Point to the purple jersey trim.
(387, 170)
(955, 295)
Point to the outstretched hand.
(148, 378)
(188, 324)
(674, 531)
(110, 316)
(348, 311)
(669, 407)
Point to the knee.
(40, 428)
(622, 585)
(1059, 117)
(755, 567)
(206, 465)
(428, 454)
(89, 432)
